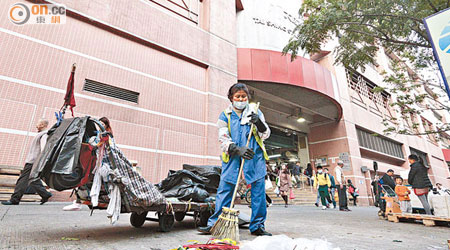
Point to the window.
(187, 9)
(380, 144)
(422, 155)
(428, 126)
(410, 120)
(445, 139)
(437, 115)
(111, 91)
(363, 92)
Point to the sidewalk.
(32, 226)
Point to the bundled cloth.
(77, 155)
(115, 171)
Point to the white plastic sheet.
(283, 242)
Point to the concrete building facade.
(171, 63)
(179, 60)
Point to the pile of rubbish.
(278, 242)
(283, 242)
(192, 183)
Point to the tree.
(361, 28)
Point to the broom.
(227, 225)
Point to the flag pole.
(74, 67)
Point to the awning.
(281, 84)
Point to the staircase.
(8, 179)
(303, 196)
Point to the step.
(296, 195)
(25, 197)
(6, 190)
(8, 180)
(11, 167)
(9, 171)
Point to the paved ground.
(31, 226)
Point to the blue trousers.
(259, 209)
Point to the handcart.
(391, 202)
(167, 214)
(81, 155)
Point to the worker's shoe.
(45, 199)
(205, 230)
(7, 203)
(261, 232)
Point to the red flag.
(69, 99)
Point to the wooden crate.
(427, 220)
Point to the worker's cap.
(340, 162)
(390, 170)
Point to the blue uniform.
(254, 173)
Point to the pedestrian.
(332, 187)
(296, 173)
(234, 127)
(318, 198)
(418, 178)
(342, 188)
(76, 205)
(353, 191)
(386, 181)
(403, 195)
(270, 172)
(285, 184)
(309, 173)
(37, 145)
(322, 183)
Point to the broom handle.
(243, 161)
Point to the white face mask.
(240, 105)
(319, 171)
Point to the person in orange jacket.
(403, 195)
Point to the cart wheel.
(179, 216)
(137, 220)
(196, 219)
(248, 196)
(204, 216)
(166, 222)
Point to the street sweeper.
(242, 130)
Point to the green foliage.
(360, 28)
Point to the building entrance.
(287, 146)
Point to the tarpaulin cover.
(212, 173)
(58, 164)
(184, 185)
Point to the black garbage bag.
(211, 173)
(184, 185)
(59, 163)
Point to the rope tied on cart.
(169, 209)
(188, 206)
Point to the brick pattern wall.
(173, 122)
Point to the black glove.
(244, 152)
(254, 118)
